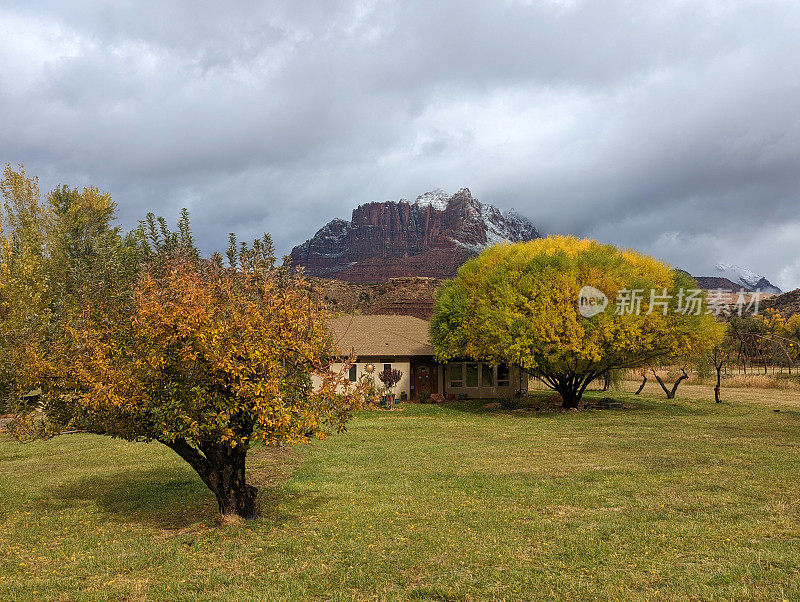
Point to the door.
(424, 377)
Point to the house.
(403, 343)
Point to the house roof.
(381, 335)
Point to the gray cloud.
(671, 126)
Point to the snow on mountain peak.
(745, 277)
(737, 271)
(436, 199)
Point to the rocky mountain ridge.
(786, 304)
(430, 237)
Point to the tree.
(25, 311)
(717, 358)
(765, 338)
(518, 303)
(206, 359)
(54, 256)
(791, 331)
(643, 373)
(89, 260)
(670, 393)
(390, 377)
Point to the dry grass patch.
(769, 397)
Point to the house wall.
(481, 391)
(398, 363)
(404, 365)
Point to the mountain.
(710, 283)
(787, 304)
(744, 278)
(430, 237)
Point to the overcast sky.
(669, 126)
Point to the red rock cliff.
(429, 237)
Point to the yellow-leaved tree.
(25, 311)
(518, 304)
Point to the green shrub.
(704, 368)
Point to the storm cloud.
(672, 126)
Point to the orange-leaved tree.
(205, 358)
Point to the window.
(387, 366)
(503, 376)
(353, 373)
(455, 374)
(471, 378)
(487, 375)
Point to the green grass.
(661, 500)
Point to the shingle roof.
(381, 335)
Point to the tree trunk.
(671, 392)
(569, 399)
(739, 356)
(571, 391)
(644, 382)
(222, 469)
(234, 495)
(718, 366)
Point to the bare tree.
(644, 382)
(670, 392)
(718, 359)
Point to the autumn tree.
(56, 254)
(765, 338)
(791, 330)
(518, 303)
(146, 341)
(206, 360)
(87, 252)
(25, 310)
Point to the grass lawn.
(661, 500)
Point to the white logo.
(591, 301)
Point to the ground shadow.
(541, 404)
(157, 497)
(523, 407)
(170, 498)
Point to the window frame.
(452, 382)
(487, 369)
(506, 382)
(477, 375)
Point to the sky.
(669, 126)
